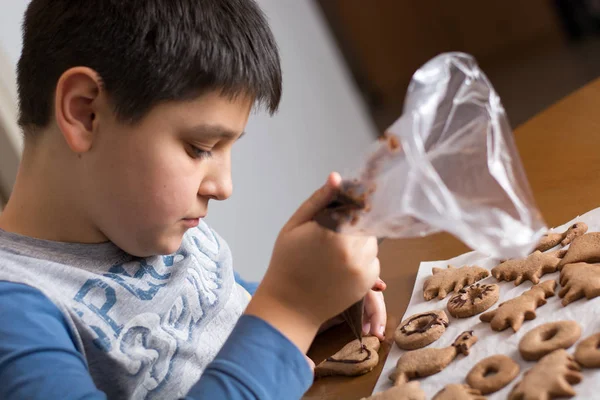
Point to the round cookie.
(493, 373)
(473, 299)
(587, 352)
(548, 337)
(422, 329)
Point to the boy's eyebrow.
(215, 131)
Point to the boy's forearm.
(256, 362)
(294, 324)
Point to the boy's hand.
(374, 314)
(314, 273)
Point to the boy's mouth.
(191, 222)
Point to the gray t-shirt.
(147, 327)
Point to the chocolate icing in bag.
(449, 163)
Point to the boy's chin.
(160, 247)
(169, 246)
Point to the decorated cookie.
(458, 392)
(549, 337)
(421, 330)
(493, 373)
(353, 359)
(587, 352)
(551, 377)
(522, 308)
(551, 239)
(585, 248)
(407, 391)
(425, 362)
(473, 299)
(444, 281)
(579, 280)
(528, 269)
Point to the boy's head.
(136, 104)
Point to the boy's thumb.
(315, 203)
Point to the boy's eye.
(195, 152)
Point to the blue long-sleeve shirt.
(39, 360)
(88, 321)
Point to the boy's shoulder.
(169, 300)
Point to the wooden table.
(560, 150)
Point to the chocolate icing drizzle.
(435, 320)
(460, 299)
(342, 361)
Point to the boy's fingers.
(375, 314)
(379, 285)
(315, 203)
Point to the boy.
(111, 285)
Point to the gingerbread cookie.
(587, 352)
(522, 308)
(458, 392)
(493, 373)
(551, 377)
(421, 330)
(408, 391)
(352, 360)
(528, 269)
(473, 299)
(579, 280)
(585, 248)
(425, 362)
(444, 281)
(549, 337)
(549, 240)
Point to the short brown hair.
(147, 52)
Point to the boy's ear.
(75, 106)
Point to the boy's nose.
(224, 189)
(217, 186)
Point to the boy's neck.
(44, 203)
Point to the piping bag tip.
(354, 318)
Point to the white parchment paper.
(585, 312)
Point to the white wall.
(10, 134)
(10, 48)
(11, 16)
(321, 126)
